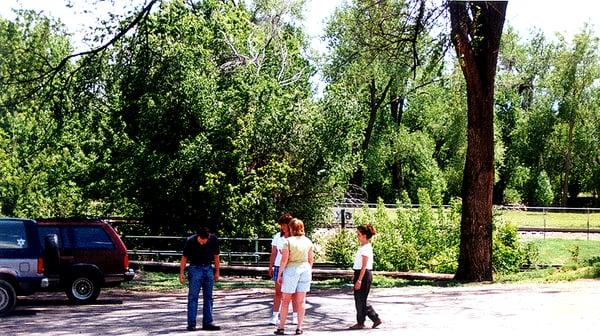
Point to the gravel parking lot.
(513, 309)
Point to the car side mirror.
(51, 254)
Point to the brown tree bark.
(397, 111)
(564, 195)
(374, 106)
(476, 28)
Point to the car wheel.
(8, 297)
(83, 289)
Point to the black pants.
(363, 309)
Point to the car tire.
(83, 289)
(8, 297)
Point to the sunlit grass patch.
(565, 251)
(549, 275)
(540, 219)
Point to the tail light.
(126, 262)
(40, 265)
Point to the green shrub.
(517, 188)
(574, 251)
(425, 239)
(340, 248)
(532, 254)
(445, 261)
(320, 239)
(422, 239)
(593, 260)
(508, 255)
(512, 196)
(596, 270)
(543, 190)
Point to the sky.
(551, 16)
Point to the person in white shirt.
(363, 265)
(274, 262)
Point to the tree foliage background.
(202, 112)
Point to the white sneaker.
(294, 318)
(274, 320)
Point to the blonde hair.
(296, 227)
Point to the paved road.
(497, 309)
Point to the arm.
(285, 254)
(311, 257)
(272, 259)
(363, 269)
(217, 267)
(182, 265)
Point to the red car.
(91, 256)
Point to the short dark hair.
(203, 232)
(285, 218)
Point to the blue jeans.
(200, 277)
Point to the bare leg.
(299, 299)
(277, 297)
(294, 305)
(285, 302)
(294, 302)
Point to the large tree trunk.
(476, 31)
(564, 195)
(397, 110)
(374, 105)
(358, 176)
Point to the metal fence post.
(588, 223)
(256, 250)
(544, 214)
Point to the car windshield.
(13, 235)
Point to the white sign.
(347, 213)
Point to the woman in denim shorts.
(274, 262)
(295, 273)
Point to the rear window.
(13, 235)
(78, 237)
(93, 237)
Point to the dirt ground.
(496, 309)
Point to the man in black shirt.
(201, 250)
